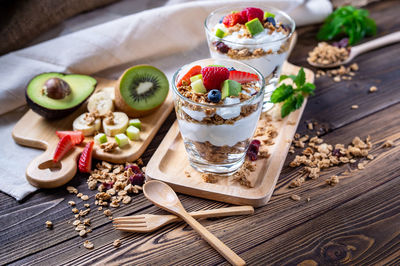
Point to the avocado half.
(79, 88)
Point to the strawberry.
(253, 12)
(242, 77)
(214, 76)
(76, 136)
(192, 72)
(233, 19)
(63, 146)
(85, 161)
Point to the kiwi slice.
(140, 90)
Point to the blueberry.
(231, 69)
(271, 20)
(214, 96)
(222, 19)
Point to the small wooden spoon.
(164, 197)
(362, 48)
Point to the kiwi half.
(140, 90)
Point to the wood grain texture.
(170, 162)
(336, 227)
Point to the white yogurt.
(220, 135)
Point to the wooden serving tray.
(170, 162)
(34, 131)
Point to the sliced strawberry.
(85, 160)
(242, 77)
(214, 76)
(76, 136)
(253, 12)
(233, 19)
(63, 146)
(192, 72)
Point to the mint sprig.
(349, 21)
(292, 98)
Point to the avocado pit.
(56, 88)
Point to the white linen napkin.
(166, 37)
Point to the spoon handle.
(217, 244)
(379, 42)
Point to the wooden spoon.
(164, 197)
(362, 48)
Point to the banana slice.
(115, 124)
(87, 123)
(100, 102)
(110, 91)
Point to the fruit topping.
(267, 15)
(196, 77)
(56, 88)
(136, 123)
(141, 90)
(87, 123)
(253, 12)
(214, 76)
(137, 179)
(222, 47)
(254, 26)
(134, 168)
(101, 103)
(85, 160)
(231, 69)
(271, 20)
(108, 185)
(214, 96)
(230, 88)
(220, 33)
(253, 149)
(64, 145)
(242, 77)
(76, 136)
(186, 78)
(115, 123)
(198, 86)
(233, 19)
(121, 140)
(342, 43)
(100, 138)
(133, 133)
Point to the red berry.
(222, 47)
(233, 19)
(108, 185)
(242, 77)
(134, 168)
(63, 146)
(192, 72)
(137, 179)
(85, 161)
(76, 136)
(253, 12)
(214, 76)
(252, 156)
(255, 142)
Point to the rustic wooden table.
(355, 222)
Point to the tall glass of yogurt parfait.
(259, 36)
(218, 104)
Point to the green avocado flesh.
(144, 87)
(82, 87)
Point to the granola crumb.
(87, 244)
(333, 180)
(209, 178)
(71, 203)
(72, 190)
(79, 195)
(187, 174)
(361, 166)
(355, 106)
(117, 243)
(82, 233)
(49, 224)
(370, 157)
(76, 222)
(373, 89)
(87, 221)
(308, 199)
(75, 210)
(87, 205)
(107, 212)
(84, 197)
(310, 126)
(295, 197)
(388, 144)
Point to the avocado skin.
(52, 114)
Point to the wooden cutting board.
(170, 162)
(34, 131)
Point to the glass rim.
(275, 10)
(209, 105)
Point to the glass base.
(267, 104)
(222, 169)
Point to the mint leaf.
(299, 101)
(283, 77)
(281, 93)
(300, 78)
(288, 106)
(308, 88)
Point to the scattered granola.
(49, 224)
(72, 190)
(295, 197)
(75, 210)
(71, 203)
(87, 205)
(79, 195)
(373, 89)
(109, 146)
(85, 197)
(340, 73)
(388, 144)
(107, 212)
(355, 106)
(117, 243)
(333, 180)
(87, 244)
(187, 174)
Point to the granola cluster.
(326, 54)
(340, 73)
(319, 155)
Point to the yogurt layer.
(220, 135)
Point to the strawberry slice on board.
(242, 77)
(85, 160)
(64, 145)
(76, 136)
(192, 72)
